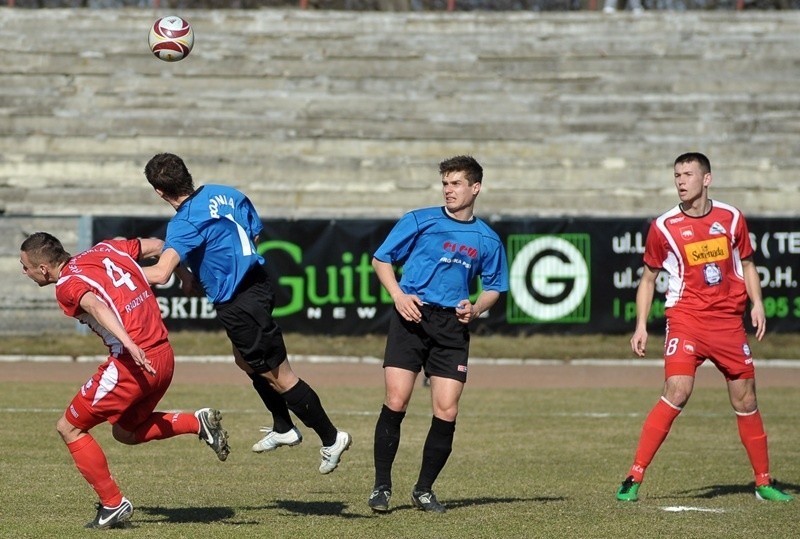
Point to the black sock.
(438, 446)
(304, 402)
(387, 440)
(275, 403)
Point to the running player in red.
(704, 246)
(105, 289)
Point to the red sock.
(160, 426)
(754, 439)
(654, 432)
(91, 462)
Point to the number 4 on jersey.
(117, 275)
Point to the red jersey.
(703, 257)
(110, 272)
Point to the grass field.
(526, 464)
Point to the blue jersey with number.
(213, 232)
(441, 256)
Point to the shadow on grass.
(208, 515)
(186, 515)
(716, 491)
(322, 509)
(474, 502)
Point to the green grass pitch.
(526, 464)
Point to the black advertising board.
(567, 275)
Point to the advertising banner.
(567, 275)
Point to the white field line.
(297, 358)
(683, 508)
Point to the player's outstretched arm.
(160, 272)
(150, 247)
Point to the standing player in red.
(105, 289)
(704, 246)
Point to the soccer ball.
(171, 38)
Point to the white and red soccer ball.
(171, 38)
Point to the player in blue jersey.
(441, 250)
(214, 232)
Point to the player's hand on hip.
(408, 306)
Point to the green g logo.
(548, 278)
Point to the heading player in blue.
(441, 250)
(214, 232)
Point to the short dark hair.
(44, 248)
(696, 157)
(463, 163)
(168, 173)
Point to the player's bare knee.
(63, 427)
(396, 403)
(446, 413)
(677, 398)
(68, 432)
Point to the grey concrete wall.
(318, 113)
(341, 113)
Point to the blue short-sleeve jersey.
(441, 256)
(213, 232)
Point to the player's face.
(33, 271)
(458, 193)
(690, 181)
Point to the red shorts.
(687, 346)
(121, 392)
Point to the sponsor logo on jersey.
(687, 232)
(462, 368)
(716, 228)
(746, 350)
(706, 251)
(675, 220)
(458, 248)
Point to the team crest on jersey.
(688, 347)
(716, 228)
(712, 274)
(687, 232)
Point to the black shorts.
(247, 319)
(438, 344)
